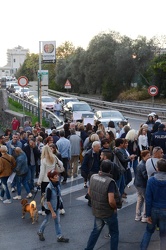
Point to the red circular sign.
(23, 81)
(153, 90)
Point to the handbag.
(58, 168)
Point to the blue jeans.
(158, 217)
(112, 223)
(56, 223)
(5, 187)
(121, 184)
(31, 176)
(134, 165)
(24, 181)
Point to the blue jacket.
(22, 165)
(91, 162)
(156, 192)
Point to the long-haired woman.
(47, 164)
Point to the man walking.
(75, 142)
(64, 149)
(101, 191)
(156, 206)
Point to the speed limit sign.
(153, 90)
(23, 81)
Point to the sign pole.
(39, 87)
(152, 101)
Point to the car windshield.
(47, 99)
(109, 114)
(70, 100)
(33, 93)
(81, 107)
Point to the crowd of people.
(106, 158)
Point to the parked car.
(64, 100)
(23, 92)
(47, 102)
(104, 116)
(79, 111)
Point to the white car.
(23, 92)
(104, 116)
(17, 89)
(47, 102)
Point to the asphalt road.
(77, 223)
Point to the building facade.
(15, 58)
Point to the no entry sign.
(23, 81)
(153, 90)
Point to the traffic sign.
(153, 90)
(23, 81)
(67, 85)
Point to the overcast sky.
(26, 23)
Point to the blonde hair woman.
(48, 162)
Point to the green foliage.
(109, 66)
(134, 95)
(17, 107)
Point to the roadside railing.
(49, 116)
(124, 108)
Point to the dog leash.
(35, 192)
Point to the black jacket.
(27, 151)
(141, 177)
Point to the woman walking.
(7, 164)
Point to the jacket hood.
(160, 179)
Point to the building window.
(14, 60)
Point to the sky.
(25, 23)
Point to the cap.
(161, 126)
(52, 173)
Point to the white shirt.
(142, 141)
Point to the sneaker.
(40, 212)
(13, 189)
(8, 201)
(62, 239)
(1, 198)
(62, 211)
(41, 237)
(29, 195)
(85, 185)
(43, 213)
(138, 217)
(18, 197)
(144, 219)
(75, 175)
(107, 236)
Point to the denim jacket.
(55, 192)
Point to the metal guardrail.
(124, 108)
(48, 115)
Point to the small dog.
(30, 208)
